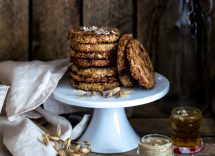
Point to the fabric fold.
(25, 138)
(31, 84)
(3, 93)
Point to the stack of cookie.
(93, 57)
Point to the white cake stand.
(109, 130)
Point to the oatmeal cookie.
(79, 78)
(94, 72)
(93, 55)
(122, 62)
(127, 80)
(86, 63)
(99, 87)
(140, 64)
(94, 34)
(100, 47)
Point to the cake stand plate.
(109, 130)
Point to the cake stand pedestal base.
(109, 132)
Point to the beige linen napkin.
(31, 84)
(24, 138)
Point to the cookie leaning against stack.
(93, 51)
(122, 62)
(141, 67)
(134, 64)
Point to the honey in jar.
(185, 126)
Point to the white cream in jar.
(155, 145)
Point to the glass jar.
(185, 126)
(155, 145)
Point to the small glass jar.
(155, 145)
(185, 126)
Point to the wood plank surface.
(208, 150)
(14, 30)
(109, 12)
(145, 126)
(166, 34)
(51, 22)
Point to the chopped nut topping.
(93, 93)
(117, 92)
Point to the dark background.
(37, 30)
